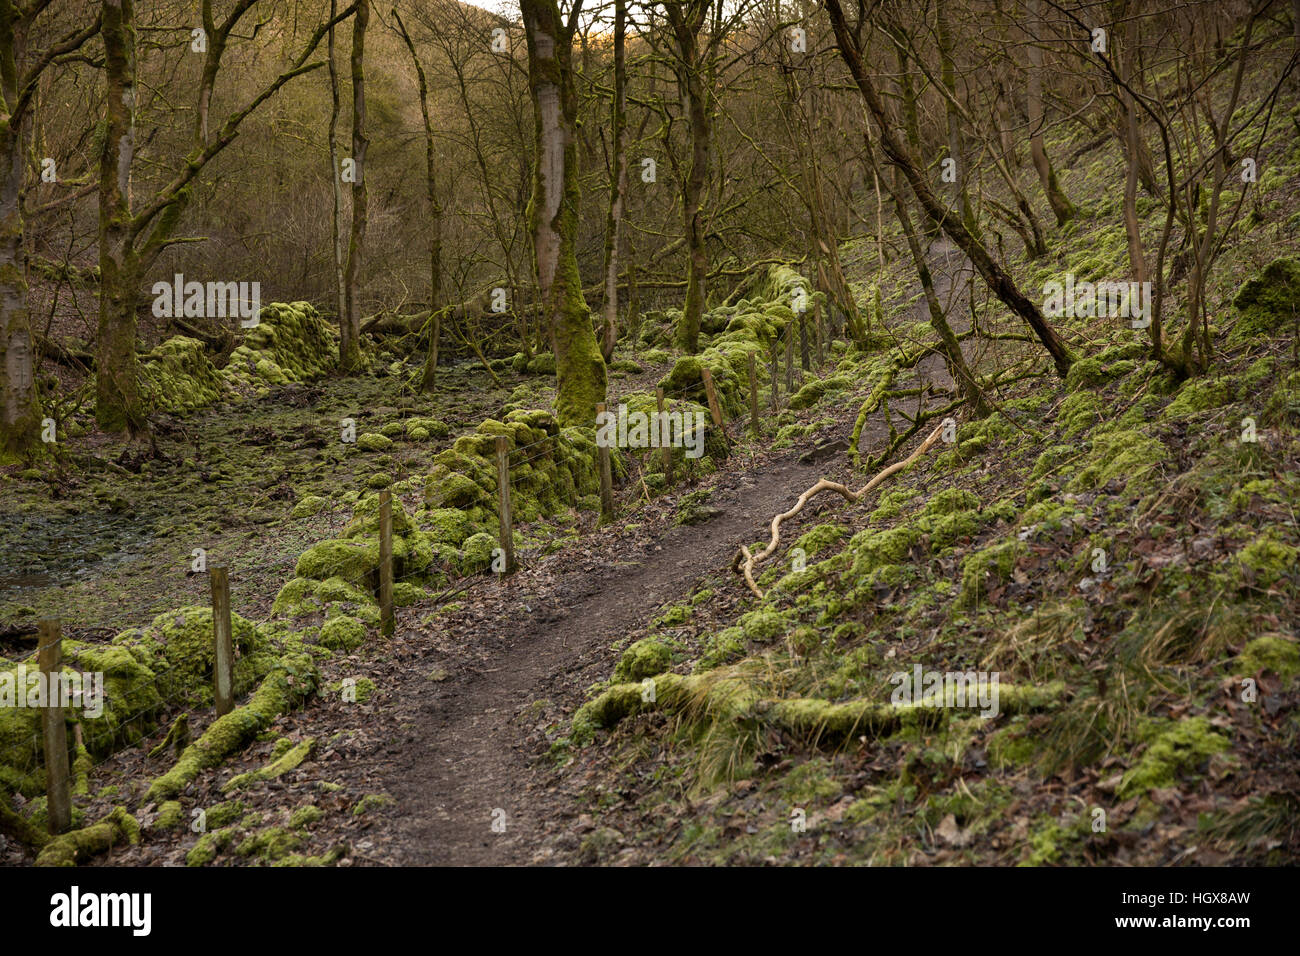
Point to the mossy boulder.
(1270, 300)
(178, 647)
(177, 376)
(291, 343)
(343, 633)
(645, 658)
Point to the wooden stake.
(665, 452)
(223, 659)
(789, 359)
(753, 393)
(606, 478)
(714, 408)
(776, 376)
(386, 623)
(507, 534)
(805, 356)
(57, 775)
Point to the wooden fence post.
(55, 731)
(606, 476)
(386, 623)
(805, 357)
(507, 533)
(223, 658)
(753, 393)
(776, 374)
(714, 408)
(665, 451)
(789, 359)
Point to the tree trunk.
(1061, 206)
(435, 216)
(617, 184)
(350, 322)
(998, 281)
(686, 25)
(336, 182)
(118, 404)
(553, 211)
(20, 410)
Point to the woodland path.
(453, 750)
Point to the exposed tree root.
(291, 760)
(751, 560)
(279, 692)
(14, 824)
(76, 846)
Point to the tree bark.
(20, 409)
(553, 211)
(118, 403)
(617, 184)
(686, 20)
(350, 322)
(435, 217)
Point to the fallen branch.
(853, 497)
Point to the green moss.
(77, 846)
(305, 817)
(371, 801)
(1125, 455)
(1269, 652)
(309, 505)
(170, 816)
(1269, 300)
(995, 562)
(176, 376)
(178, 648)
(343, 633)
(762, 626)
(273, 843)
(645, 658)
(293, 680)
(1176, 748)
(209, 845)
(820, 537)
(291, 759)
(1266, 560)
(1198, 395)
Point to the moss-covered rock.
(176, 376)
(1270, 300)
(645, 658)
(291, 343)
(343, 633)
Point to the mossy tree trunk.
(118, 402)
(350, 321)
(993, 274)
(553, 210)
(336, 182)
(20, 407)
(686, 18)
(617, 183)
